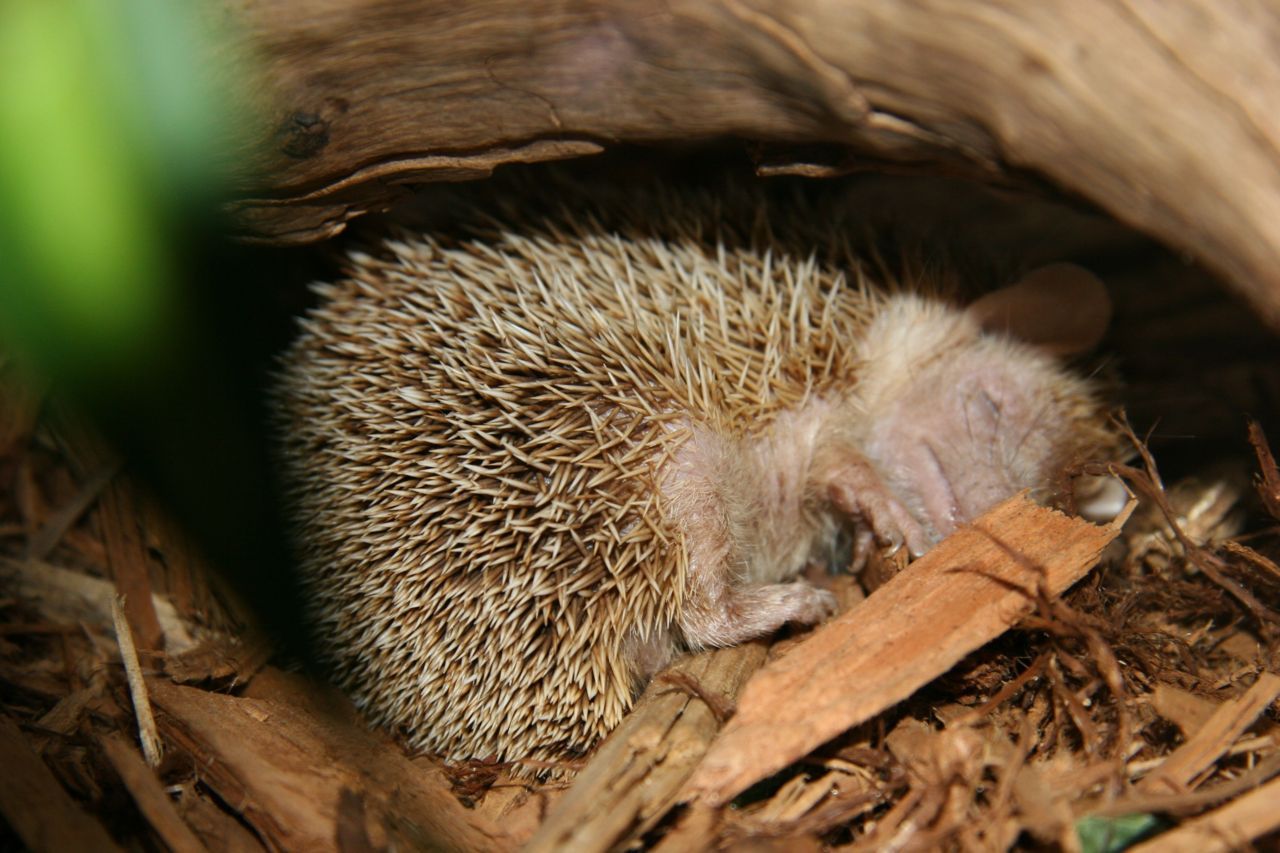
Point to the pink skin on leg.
(720, 524)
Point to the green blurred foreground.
(112, 127)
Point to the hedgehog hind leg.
(734, 614)
(712, 495)
(721, 608)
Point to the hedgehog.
(531, 458)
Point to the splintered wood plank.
(149, 795)
(36, 807)
(636, 774)
(216, 828)
(964, 593)
(1221, 730)
(1230, 827)
(296, 772)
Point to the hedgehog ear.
(1061, 308)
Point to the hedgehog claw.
(863, 543)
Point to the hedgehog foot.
(739, 614)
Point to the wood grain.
(1162, 114)
(636, 774)
(36, 807)
(964, 593)
(287, 764)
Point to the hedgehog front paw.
(857, 489)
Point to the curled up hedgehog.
(529, 462)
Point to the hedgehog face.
(976, 427)
(957, 419)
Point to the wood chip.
(148, 794)
(284, 768)
(36, 807)
(1230, 827)
(217, 829)
(1184, 709)
(1196, 801)
(1220, 731)
(219, 659)
(63, 596)
(636, 774)
(1268, 475)
(964, 593)
(137, 686)
(64, 717)
(56, 526)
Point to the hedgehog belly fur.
(484, 442)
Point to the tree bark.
(1164, 114)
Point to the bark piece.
(1230, 827)
(149, 796)
(636, 774)
(285, 768)
(36, 807)
(964, 593)
(697, 829)
(1220, 731)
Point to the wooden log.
(1163, 114)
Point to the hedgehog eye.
(992, 402)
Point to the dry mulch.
(1139, 705)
